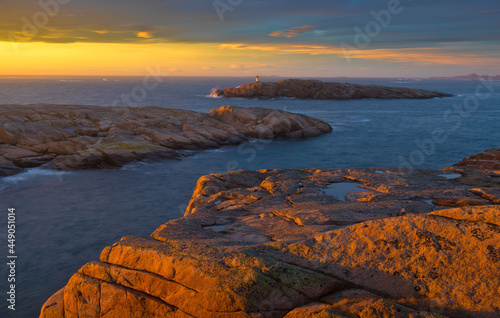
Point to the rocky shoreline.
(308, 243)
(69, 137)
(314, 89)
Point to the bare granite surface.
(69, 137)
(308, 243)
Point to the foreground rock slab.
(315, 89)
(305, 243)
(82, 137)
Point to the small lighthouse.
(257, 79)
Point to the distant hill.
(472, 76)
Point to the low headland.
(377, 242)
(314, 89)
(69, 137)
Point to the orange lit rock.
(290, 243)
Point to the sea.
(65, 219)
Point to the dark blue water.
(65, 219)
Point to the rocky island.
(87, 137)
(309, 243)
(314, 89)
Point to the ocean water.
(65, 219)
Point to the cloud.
(446, 54)
(431, 23)
(293, 32)
(174, 69)
(144, 34)
(423, 56)
(236, 66)
(284, 48)
(208, 68)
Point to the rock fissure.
(138, 293)
(147, 273)
(490, 197)
(348, 284)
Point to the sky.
(314, 38)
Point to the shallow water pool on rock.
(341, 189)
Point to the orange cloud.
(423, 56)
(146, 35)
(283, 48)
(236, 66)
(293, 32)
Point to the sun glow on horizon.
(220, 59)
(32, 58)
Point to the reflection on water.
(450, 176)
(341, 189)
(216, 227)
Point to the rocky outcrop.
(480, 170)
(488, 159)
(314, 89)
(266, 124)
(81, 137)
(306, 243)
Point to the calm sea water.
(65, 219)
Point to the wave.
(31, 174)
(134, 166)
(204, 153)
(358, 119)
(212, 96)
(212, 93)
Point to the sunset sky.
(416, 38)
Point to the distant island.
(472, 76)
(314, 89)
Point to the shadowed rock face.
(293, 243)
(314, 89)
(82, 137)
